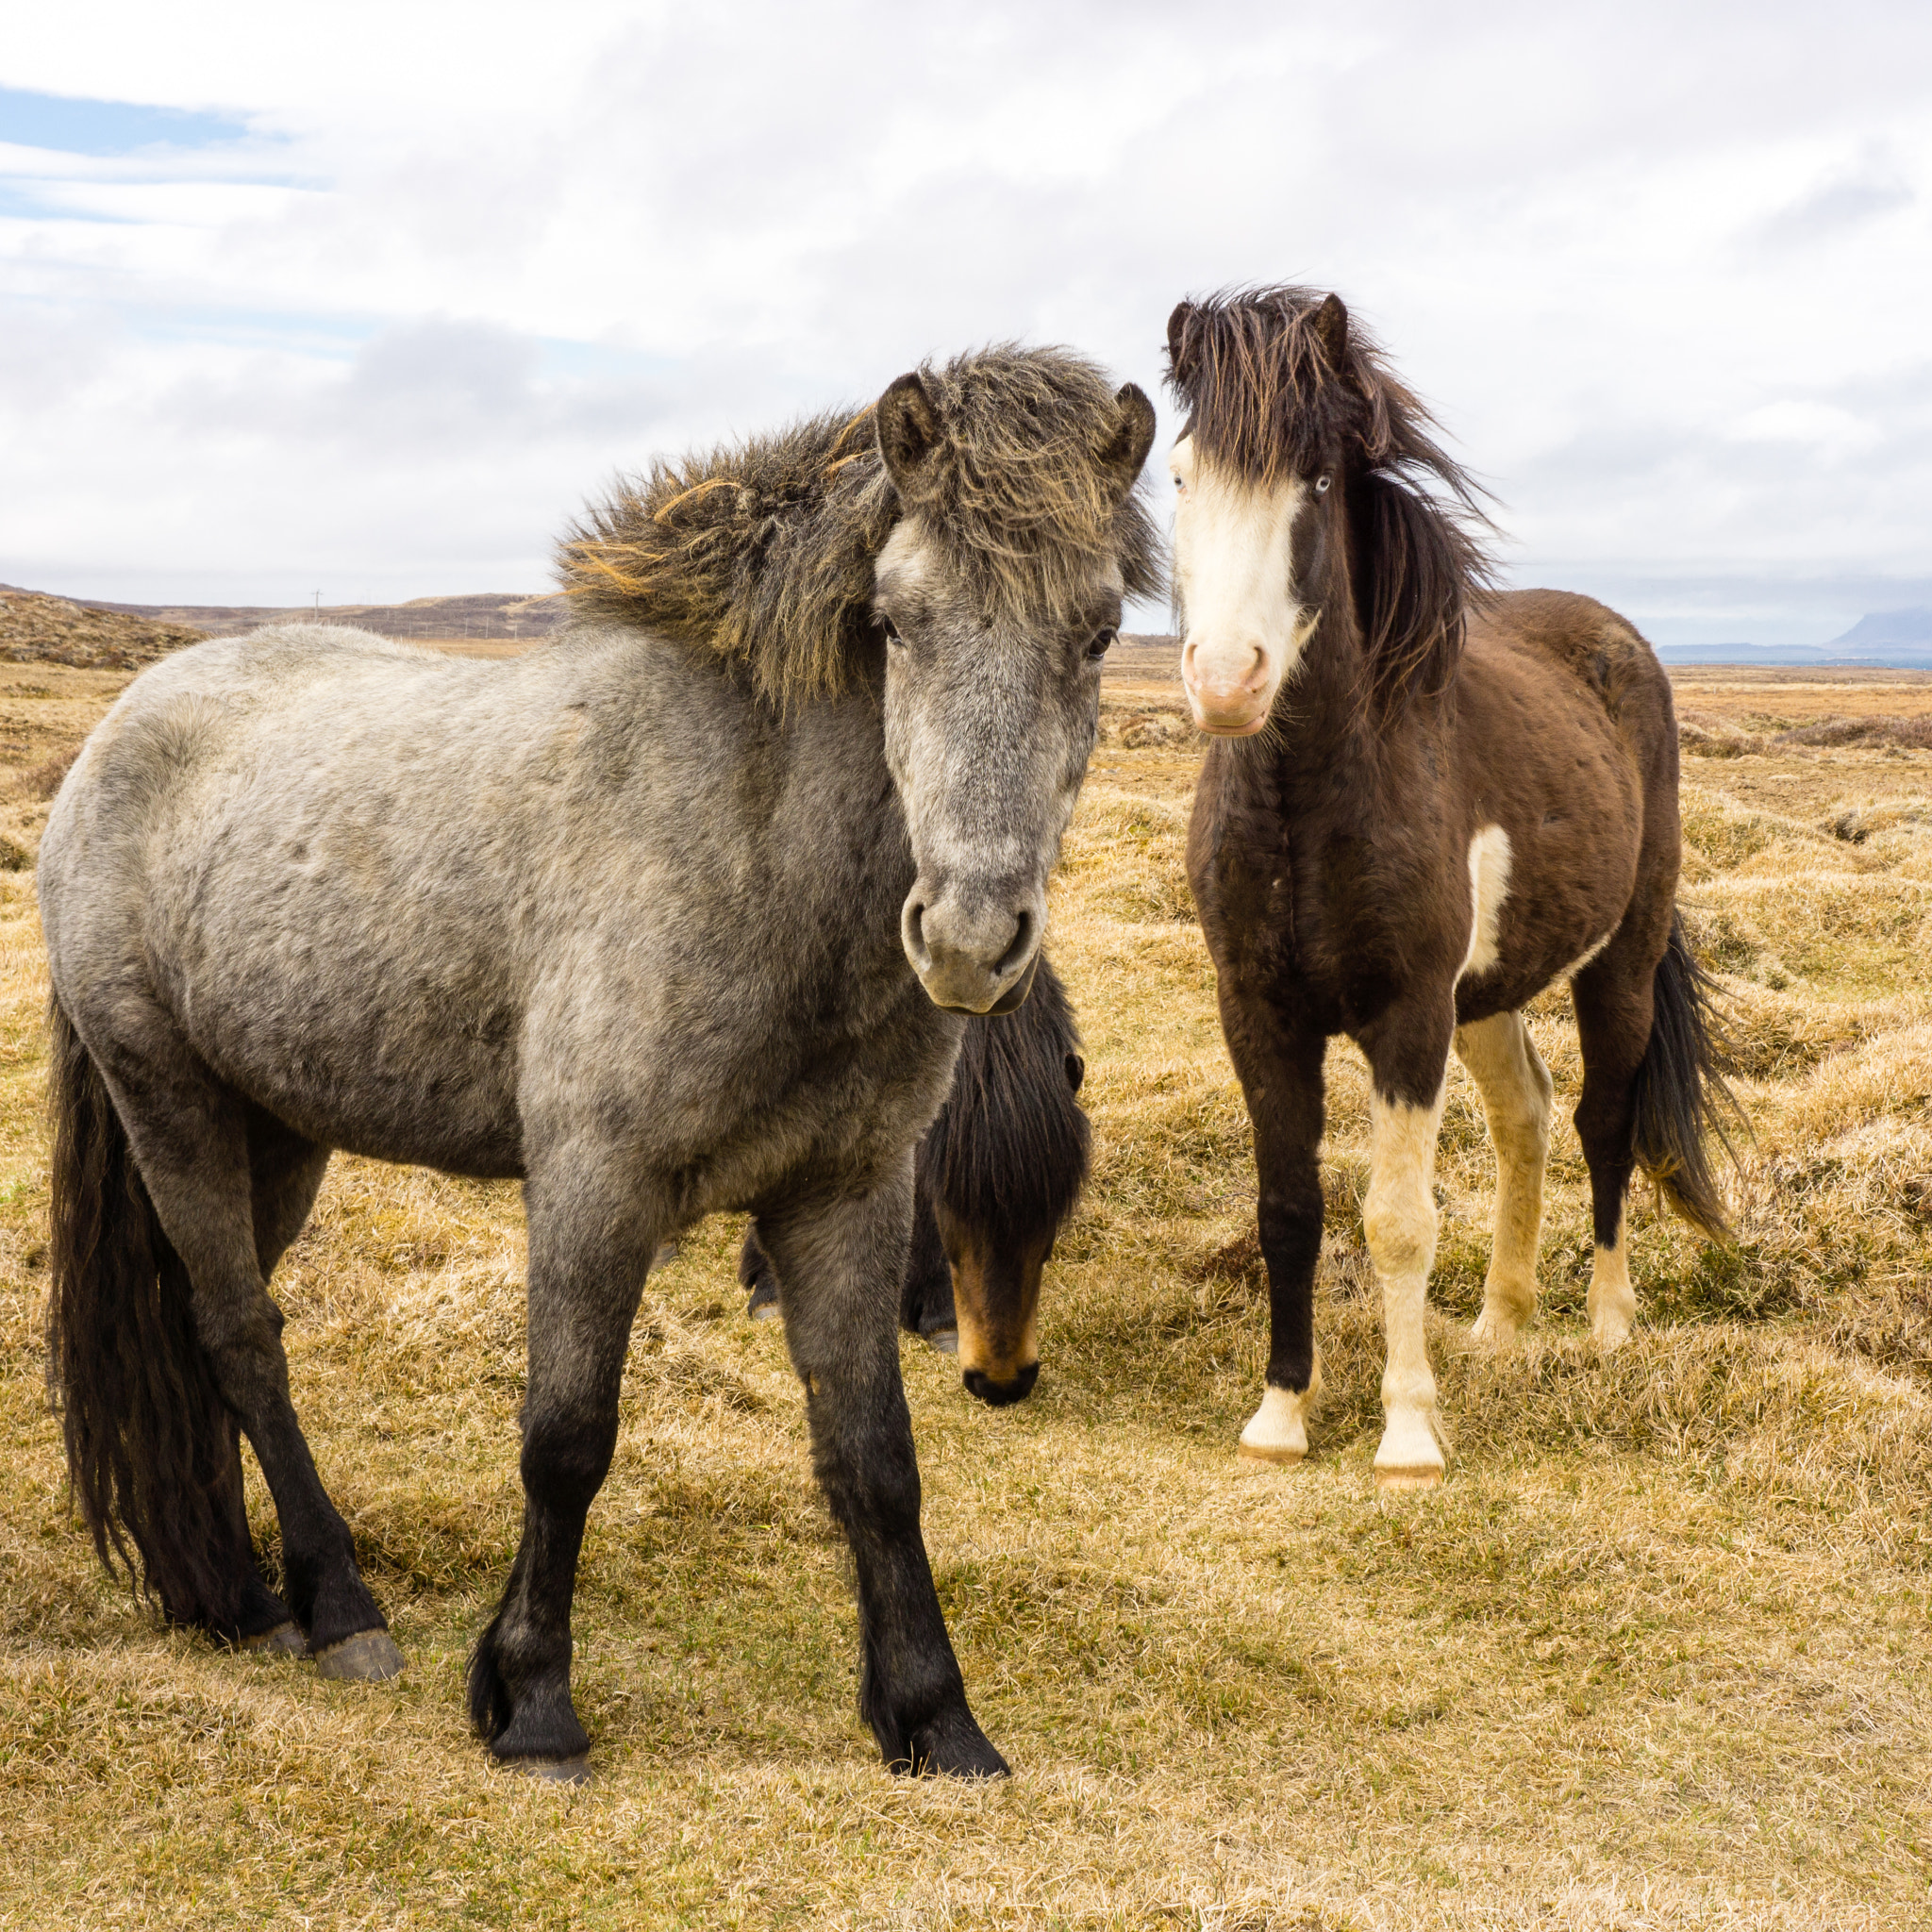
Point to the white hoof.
(1410, 1455)
(1610, 1328)
(1278, 1430)
(1497, 1326)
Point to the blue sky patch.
(106, 127)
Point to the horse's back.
(1572, 648)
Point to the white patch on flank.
(1278, 1430)
(1234, 568)
(1399, 1218)
(1489, 886)
(1589, 952)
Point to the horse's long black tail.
(1684, 1104)
(152, 1450)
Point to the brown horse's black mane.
(1280, 382)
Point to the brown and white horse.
(1424, 803)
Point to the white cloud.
(1665, 271)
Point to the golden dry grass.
(1654, 1655)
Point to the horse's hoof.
(764, 1311)
(367, 1657)
(285, 1639)
(953, 1747)
(1420, 1478)
(552, 1771)
(1277, 1432)
(667, 1253)
(1496, 1330)
(1609, 1331)
(943, 1341)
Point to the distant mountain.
(1900, 640)
(1886, 630)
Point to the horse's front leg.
(1279, 1065)
(1407, 1051)
(840, 1259)
(592, 1233)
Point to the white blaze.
(1234, 565)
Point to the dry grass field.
(1655, 1655)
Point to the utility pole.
(318, 607)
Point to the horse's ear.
(1330, 324)
(1125, 450)
(1178, 339)
(909, 432)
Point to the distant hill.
(51, 630)
(499, 615)
(1887, 630)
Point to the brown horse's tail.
(152, 1450)
(1684, 1103)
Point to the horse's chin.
(1248, 728)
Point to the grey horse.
(660, 920)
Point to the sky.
(369, 299)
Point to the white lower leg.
(1612, 1300)
(1517, 1092)
(1278, 1430)
(1399, 1218)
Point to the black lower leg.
(1290, 1220)
(910, 1692)
(520, 1674)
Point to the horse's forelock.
(764, 551)
(1269, 399)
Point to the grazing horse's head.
(1296, 508)
(998, 593)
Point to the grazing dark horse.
(664, 918)
(996, 1177)
(1424, 806)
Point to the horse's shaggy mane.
(763, 551)
(1275, 381)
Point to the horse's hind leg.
(285, 1171)
(189, 1137)
(840, 1259)
(1517, 1091)
(1614, 1004)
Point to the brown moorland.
(1655, 1655)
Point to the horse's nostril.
(915, 936)
(1015, 955)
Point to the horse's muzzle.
(999, 1394)
(975, 959)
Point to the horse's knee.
(566, 1455)
(1399, 1222)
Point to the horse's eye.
(891, 629)
(1180, 483)
(1097, 649)
(1321, 485)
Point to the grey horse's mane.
(762, 551)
